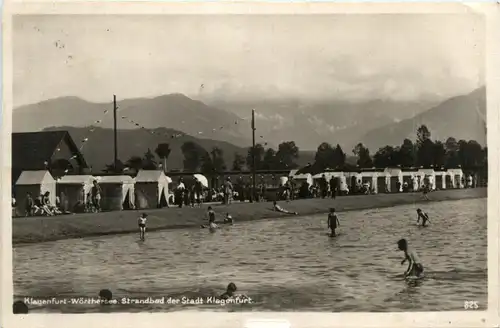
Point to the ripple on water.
(284, 265)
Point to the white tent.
(36, 183)
(306, 176)
(456, 176)
(117, 192)
(73, 189)
(343, 184)
(431, 175)
(393, 177)
(371, 178)
(151, 189)
(440, 177)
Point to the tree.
(286, 154)
(407, 154)
(207, 165)
(269, 162)
(135, 163)
(470, 154)
(363, 154)
(425, 147)
(149, 162)
(451, 147)
(338, 157)
(423, 134)
(218, 159)
(193, 155)
(258, 151)
(163, 151)
(439, 156)
(425, 153)
(324, 156)
(110, 168)
(386, 157)
(238, 162)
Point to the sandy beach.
(42, 229)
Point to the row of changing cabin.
(150, 189)
(391, 180)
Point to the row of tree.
(424, 152)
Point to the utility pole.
(253, 155)
(115, 108)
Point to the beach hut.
(430, 175)
(36, 183)
(409, 179)
(304, 177)
(370, 178)
(394, 179)
(117, 192)
(456, 175)
(151, 189)
(440, 179)
(344, 188)
(73, 189)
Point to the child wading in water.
(142, 225)
(415, 268)
(333, 222)
(422, 215)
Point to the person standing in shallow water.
(142, 226)
(333, 222)
(415, 267)
(422, 215)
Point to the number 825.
(471, 305)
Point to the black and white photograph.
(223, 163)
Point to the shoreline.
(73, 226)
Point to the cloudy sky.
(401, 57)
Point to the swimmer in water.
(142, 225)
(415, 268)
(280, 209)
(228, 219)
(211, 219)
(230, 291)
(333, 222)
(422, 215)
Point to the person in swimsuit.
(230, 291)
(415, 268)
(278, 208)
(211, 220)
(228, 219)
(96, 196)
(142, 226)
(333, 222)
(422, 215)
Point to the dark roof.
(31, 149)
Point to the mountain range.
(215, 123)
(461, 117)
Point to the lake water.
(282, 265)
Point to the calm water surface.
(283, 265)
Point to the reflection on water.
(283, 265)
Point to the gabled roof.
(150, 176)
(119, 179)
(34, 178)
(30, 150)
(75, 179)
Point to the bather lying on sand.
(280, 209)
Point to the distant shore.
(43, 229)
